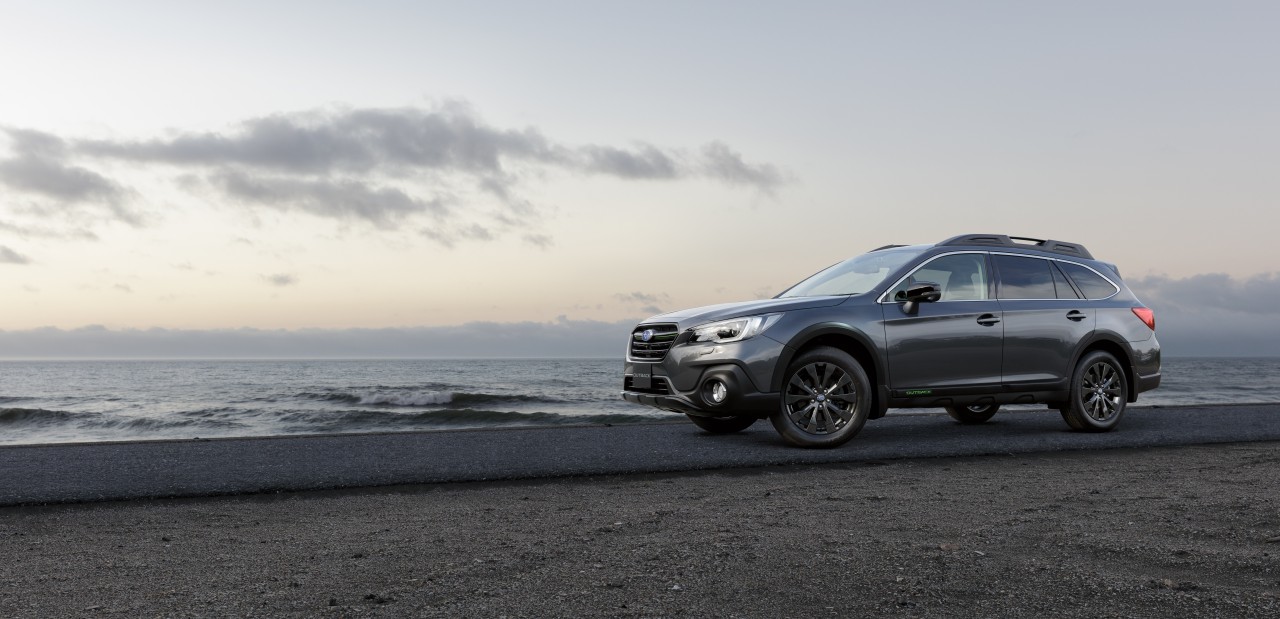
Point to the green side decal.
(919, 391)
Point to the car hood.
(724, 311)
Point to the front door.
(953, 343)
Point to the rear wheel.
(973, 414)
(722, 425)
(826, 398)
(1099, 392)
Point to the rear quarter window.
(1093, 286)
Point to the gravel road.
(88, 472)
(1188, 531)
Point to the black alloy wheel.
(826, 399)
(973, 413)
(1099, 392)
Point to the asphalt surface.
(34, 474)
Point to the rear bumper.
(1147, 383)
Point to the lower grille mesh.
(660, 386)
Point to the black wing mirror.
(920, 292)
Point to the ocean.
(77, 401)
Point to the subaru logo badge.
(646, 335)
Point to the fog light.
(719, 392)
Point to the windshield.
(855, 275)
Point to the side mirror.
(920, 292)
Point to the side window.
(963, 277)
(1025, 278)
(1091, 284)
(1060, 282)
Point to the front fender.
(840, 335)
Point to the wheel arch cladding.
(836, 336)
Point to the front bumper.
(680, 382)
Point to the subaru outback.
(969, 324)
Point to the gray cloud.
(644, 302)
(449, 237)
(280, 279)
(47, 232)
(1259, 294)
(722, 163)
(380, 206)
(541, 241)
(359, 140)
(378, 166)
(641, 297)
(1213, 313)
(8, 256)
(644, 162)
(37, 168)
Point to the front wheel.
(826, 398)
(722, 425)
(973, 414)
(1098, 394)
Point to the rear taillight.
(1146, 316)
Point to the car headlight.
(734, 330)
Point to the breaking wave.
(354, 420)
(231, 421)
(406, 397)
(10, 416)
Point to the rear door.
(952, 343)
(1044, 320)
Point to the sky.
(331, 170)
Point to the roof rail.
(1002, 240)
(886, 247)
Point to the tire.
(722, 425)
(973, 414)
(809, 418)
(1099, 392)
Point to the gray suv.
(969, 324)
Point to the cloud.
(378, 166)
(563, 337)
(722, 163)
(1214, 313)
(643, 301)
(1259, 294)
(640, 297)
(37, 168)
(380, 206)
(643, 162)
(355, 140)
(8, 256)
(541, 241)
(47, 232)
(449, 237)
(280, 279)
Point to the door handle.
(1076, 315)
(988, 320)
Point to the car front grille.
(660, 386)
(656, 346)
